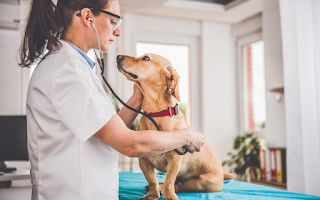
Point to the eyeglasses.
(114, 20)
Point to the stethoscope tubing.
(101, 63)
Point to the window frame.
(241, 43)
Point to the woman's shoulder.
(59, 60)
(65, 54)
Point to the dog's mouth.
(126, 72)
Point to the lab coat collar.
(68, 48)
(89, 61)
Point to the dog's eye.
(146, 58)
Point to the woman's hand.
(137, 97)
(135, 102)
(197, 140)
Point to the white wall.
(247, 27)
(17, 193)
(275, 123)
(219, 87)
(13, 79)
(11, 74)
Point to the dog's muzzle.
(120, 68)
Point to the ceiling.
(225, 11)
(223, 2)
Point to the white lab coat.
(66, 106)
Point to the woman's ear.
(173, 80)
(86, 16)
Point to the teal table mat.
(132, 185)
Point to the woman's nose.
(117, 32)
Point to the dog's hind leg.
(228, 176)
(201, 183)
(148, 171)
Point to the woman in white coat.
(74, 133)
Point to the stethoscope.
(101, 63)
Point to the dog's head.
(150, 72)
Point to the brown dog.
(159, 84)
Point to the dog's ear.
(173, 82)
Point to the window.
(254, 90)
(179, 57)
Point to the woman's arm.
(147, 143)
(135, 102)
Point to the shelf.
(277, 90)
(271, 183)
(20, 174)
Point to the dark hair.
(46, 23)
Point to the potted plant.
(244, 159)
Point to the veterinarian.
(74, 132)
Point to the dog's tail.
(228, 176)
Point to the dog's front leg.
(148, 171)
(173, 168)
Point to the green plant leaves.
(245, 155)
(237, 142)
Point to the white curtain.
(300, 24)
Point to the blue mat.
(132, 187)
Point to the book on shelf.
(268, 166)
(284, 165)
(273, 165)
(263, 164)
(278, 166)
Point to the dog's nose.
(120, 58)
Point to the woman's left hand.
(137, 97)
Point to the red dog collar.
(169, 112)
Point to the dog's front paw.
(150, 197)
(170, 197)
(146, 188)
